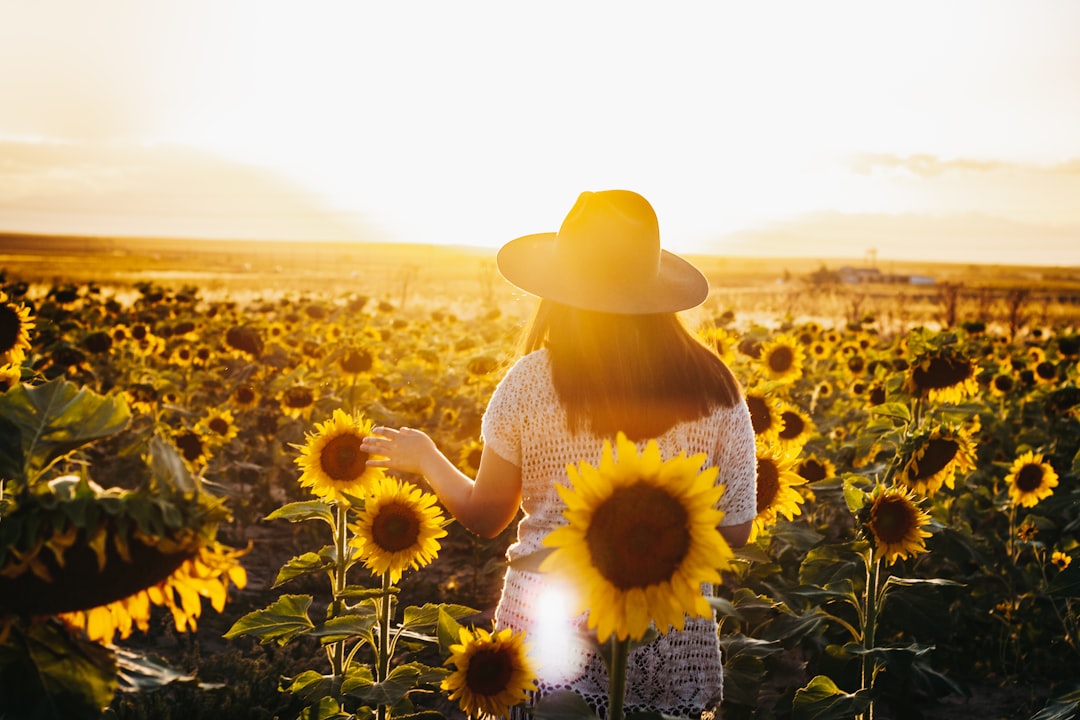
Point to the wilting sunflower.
(209, 574)
(943, 376)
(782, 358)
(641, 538)
(936, 457)
(776, 483)
(896, 522)
(332, 460)
(493, 672)
(16, 322)
(1030, 480)
(399, 528)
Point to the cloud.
(931, 166)
(162, 191)
(962, 238)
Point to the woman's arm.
(736, 535)
(484, 506)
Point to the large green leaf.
(301, 511)
(821, 699)
(426, 619)
(307, 563)
(563, 705)
(48, 673)
(168, 469)
(344, 627)
(54, 419)
(279, 622)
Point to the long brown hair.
(640, 374)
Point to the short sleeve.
(737, 459)
(500, 428)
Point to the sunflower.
(942, 376)
(1060, 559)
(797, 426)
(1003, 382)
(195, 451)
(723, 342)
(10, 375)
(399, 527)
(244, 396)
(208, 574)
(469, 458)
(641, 538)
(356, 361)
(16, 322)
(764, 414)
(1030, 480)
(776, 483)
(814, 468)
(493, 672)
(219, 427)
(896, 522)
(332, 460)
(297, 402)
(936, 458)
(782, 358)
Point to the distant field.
(422, 275)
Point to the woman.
(605, 353)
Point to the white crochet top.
(680, 673)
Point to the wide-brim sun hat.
(606, 256)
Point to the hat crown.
(611, 236)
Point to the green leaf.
(138, 672)
(301, 511)
(326, 709)
(562, 705)
(854, 494)
(56, 418)
(305, 564)
(280, 621)
(724, 607)
(1064, 707)
(897, 410)
(359, 592)
(168, 469)
(449, 632)
(400, 682)
(743, 677)
(426, 619)
(344, 627)
(310, 686)
(821, 699)
(48, 673)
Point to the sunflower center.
(357, 361)
(768, 483)
(892, 519)
(793, 425)
(1029, 478)
(299, 397)
(342, 459)
(10, 324)
(760, 417)
(781, 359)
(812, 470)
(638, 536)
(190, 446)
(395, 528)
(941, 372)
(489, 672)
(219, 425)
(937, 456)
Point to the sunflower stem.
(382, 666)
(620, 654)
(870, 599)
(341, 542)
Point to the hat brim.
(529, 263)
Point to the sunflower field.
(915, 549)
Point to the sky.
(946, 130)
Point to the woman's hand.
(405, 449)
